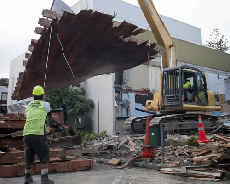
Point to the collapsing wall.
(92, 46)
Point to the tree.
(77, 105)
(218, 41)
(4, 81)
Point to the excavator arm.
(160, 32)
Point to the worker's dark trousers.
(36, 144)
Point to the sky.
(18, 18)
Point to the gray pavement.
(105, 175)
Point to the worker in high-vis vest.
(188, 93)
(187, 84)
(35, 139)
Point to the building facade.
(16, 66)
(133, 14)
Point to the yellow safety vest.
(186, 85)
(35, 118)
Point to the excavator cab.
(183, 86)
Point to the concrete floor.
(105, 175)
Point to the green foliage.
(74, 99)
(92, 136)
(172, 142)
(192, 141)
(218, 41)
(4, 82)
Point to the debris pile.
(206, 161)
(12, 151)
(226, 127)
(113, 147)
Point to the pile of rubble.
(210, 153)
(207, 161)
(122, 147)
(12, 151)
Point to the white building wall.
(215, 84)
(16, 66)
(133, 14)
(82, 5)
(144, 77)
(14, 106)
(154, 78)
(227, 89)
(101, 90)
(138, 77)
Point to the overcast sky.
(18, 18)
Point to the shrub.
(192, 141)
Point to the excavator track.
(186, 123)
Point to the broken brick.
(114, 161)
(8, 171)
(14, 170)
(11, 157)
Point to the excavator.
(175, 105)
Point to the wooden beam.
(44, 22)
(207, 157)
(39, 30)
(31, 48)
(222, 138)
(192, 173)
(25, 61)
(225, 145)
(27, 55)
(49, 14)
(192, 107)
(34, 42)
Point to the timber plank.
(14, 170)
(49, 14)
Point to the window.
(200, 82)
(4, 96)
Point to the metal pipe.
(98, 118)
(161, 64)
(142, 110)
(171, 57)
(162, 144)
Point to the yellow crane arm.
(160, 32)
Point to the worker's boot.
(44, 177)
(28, 177)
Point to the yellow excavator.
(174, 102)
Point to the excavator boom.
(160, 32)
